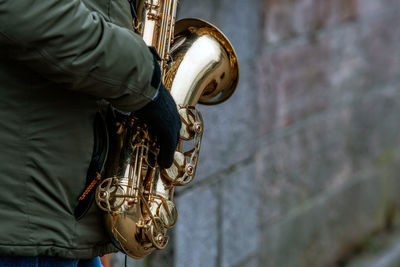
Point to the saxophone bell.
(204, 64)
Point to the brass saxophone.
(198, 64)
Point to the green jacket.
(57, 60)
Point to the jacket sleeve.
(68, 44)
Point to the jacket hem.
(56, 251)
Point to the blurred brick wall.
(301, 165)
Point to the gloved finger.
(166, 155)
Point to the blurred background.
(301, 166)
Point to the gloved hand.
(162, 118)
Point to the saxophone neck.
(155, 23)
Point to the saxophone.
(198, 64)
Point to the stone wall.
(301, 166)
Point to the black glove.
(162, 118)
